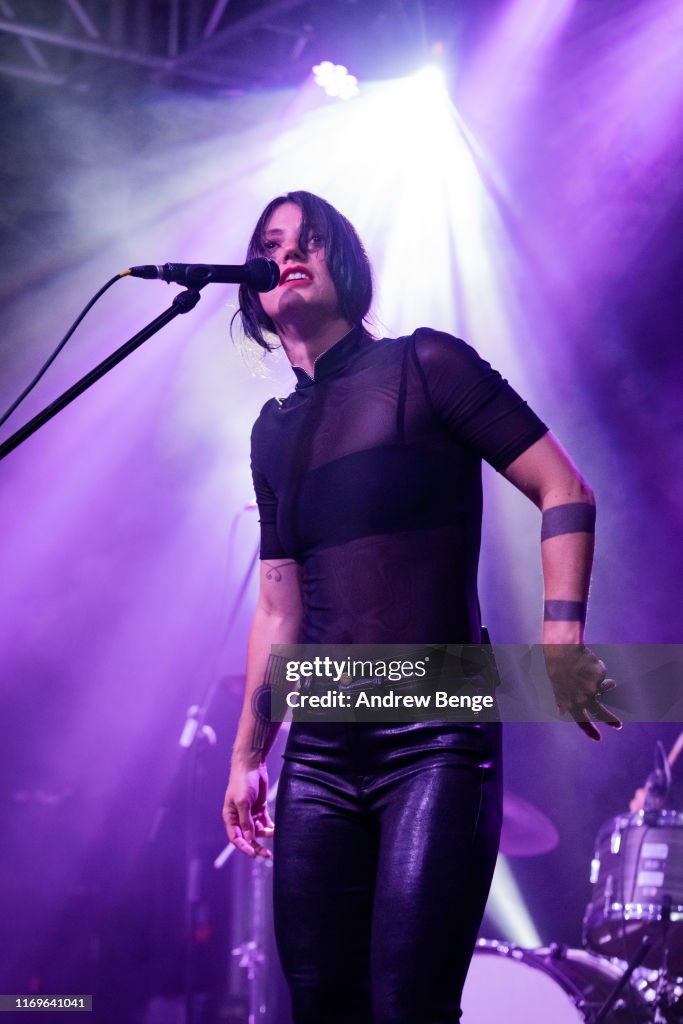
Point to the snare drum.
(545, 986)
(637, 876)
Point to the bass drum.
(545, 986)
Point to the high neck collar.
(332, 360)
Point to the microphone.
(261, 273)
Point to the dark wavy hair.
(346, 258)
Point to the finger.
(611, 720)
(230, 820)
(606, 685)
(263, 828)
(250, 848)
(262, 851)
(246, 822)
(234, 829)
(244, 847)
(237, 839)
(601, 714)
(578, 712)
(584, 723)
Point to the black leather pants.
(385, 845)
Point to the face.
(306, 289)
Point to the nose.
(292, 250)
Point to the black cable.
(50, 360)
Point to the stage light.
(335, 80)
(507, 909)
(432, 79)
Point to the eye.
(316, 240)
(269, 245)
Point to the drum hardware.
(631, 865)
(636, 908)
(663, 994)
(633, 922)
(666, 1009)
(637, 877)
(657, 786)
(553, 985)
(635, 962)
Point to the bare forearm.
(549, 478)
(255, 733)
(567, 557)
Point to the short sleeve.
(271, 546)
(472, 399)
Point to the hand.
(638, 800)
(245, 811)
(579, 680)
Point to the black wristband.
(564, 611)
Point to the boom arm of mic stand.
(182, 303)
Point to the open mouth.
(295, 275)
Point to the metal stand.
(197, 737)
(252, 952)
(635, 961)
(661, 993)
(661, 1003)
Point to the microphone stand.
(196, 739)
(182, 303)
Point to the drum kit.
(631, 968)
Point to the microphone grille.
(264, 274)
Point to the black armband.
(574, 517)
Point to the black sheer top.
(369, 476)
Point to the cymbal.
(527, 832)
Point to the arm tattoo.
(274, 573)
(265, 726)
(573, 517)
